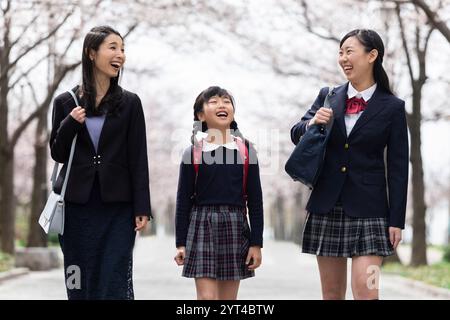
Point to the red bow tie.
(355, 105)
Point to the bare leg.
(228, 289)
(207, 289)
(365, 277)
(333, 277)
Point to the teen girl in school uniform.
(107, 195)
(219, 179)
(357, 208)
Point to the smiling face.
(356, 63)
(109, 57)
(218, 112)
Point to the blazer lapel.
(102, 133)
(375, 105)
(109, 124)
(337, 103)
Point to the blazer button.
(98, 162)
(95, 162)
(98, 156)
(95, 157)
(346, 146)
(344, 169)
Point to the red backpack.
(243, 151)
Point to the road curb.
(13, 273)
(440, 293)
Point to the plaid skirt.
(339, 235)
(217, 243)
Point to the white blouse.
(350, 119)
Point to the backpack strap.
(197, 155)
(243, 151)
(197, 159)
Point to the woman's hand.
(141, 222)
(254, 258)
(395, 236)
(179, 257)
(79, 114)
(322, 116)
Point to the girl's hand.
(179, 257)
(141, 222)
(254, 258)
(79, 114)
(322, 116)
(395, 236)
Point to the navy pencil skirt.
(98, 246)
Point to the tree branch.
(24, 30)
(309, 26)
(427, 39)
(58, 78)
(33, 92)
(72, 40)
(433, 18)
(130, 30)
(38, 42)
(6, 9)
(25, 74)
(405, 44)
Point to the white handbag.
(52, 217)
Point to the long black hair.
(92, 41)
(204, 97)
(372, 40)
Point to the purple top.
(94, 126)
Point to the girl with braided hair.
(218, 181)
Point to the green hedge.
(6, 261)
(446, 256)
(437, 274)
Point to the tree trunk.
(299, 216)
(7, 202)
(170, 214)
(419, 244)
(279, 218)
(448, 231)
(36, 236)
(7, 221)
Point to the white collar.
(207, 146)
(365, 94)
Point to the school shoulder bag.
(305, 162)
(52, 217)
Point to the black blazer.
(354, 170)
(121, 161)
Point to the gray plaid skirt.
(339, 235)
(217, 243)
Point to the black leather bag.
(305, 162)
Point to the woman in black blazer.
(357, 208)
(107, 195)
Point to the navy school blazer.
(354, 170)
(120, 162)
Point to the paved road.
(286, 274)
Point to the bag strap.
(326, 104)
(69, 164)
